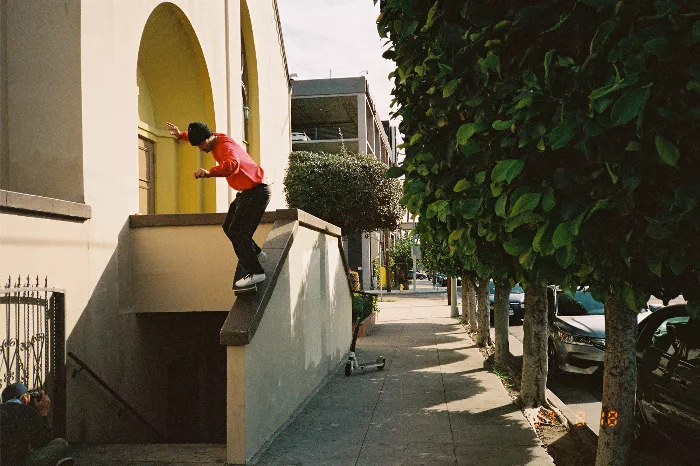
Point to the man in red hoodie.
(246, 211)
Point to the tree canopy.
(347, 190)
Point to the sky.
(337, 38)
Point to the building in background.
(328, 114)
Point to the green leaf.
(475, 102)
(395, 172)
(501, 25)
(415, 138)
(630, 105)
(462, 185)
(501, 205)
(493, 62)
(526, 203)
(601, 36)
(678, 262)
(501, 125)
(410, 28)
(540, 145)
(450, 88)
(548, 64)
(480, 177)
(543, 242)
(470, 148)
(654, 264)
(613, 176)
(694, 35)
(562, 236)
(566, 256)
(517, 246)
(668, 152)
(471, 209)
(524, 102)
(658, 47)
(465, 132)
(563, 133)
(431, 17)
(548, 200)
(456, 235)
(507, 170)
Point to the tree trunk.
(619, 384)
(465, 301)
(471, 288)
(483, 333)
(500, 322)
(535, 328)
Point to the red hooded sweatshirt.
(234, 163)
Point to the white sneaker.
(262, 257)
(250, 280)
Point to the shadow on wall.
(169, 367)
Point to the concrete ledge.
(174, 220)
(40, 206)
(247, 312)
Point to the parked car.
(516, 301)
(577, 331)
(442, 280)
(300, 137)
(668, 384)
(419, 275)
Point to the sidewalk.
(434, 404)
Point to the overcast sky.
(337, 38)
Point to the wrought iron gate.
(33, 342)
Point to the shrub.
(354, 280)
(347, 190)
(363, 305)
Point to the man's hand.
(174, 130)
(44, 404)
(201, 173)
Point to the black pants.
(243, 218)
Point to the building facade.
(86, 88)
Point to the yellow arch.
(174, 85)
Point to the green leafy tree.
(569, 128)
(347, 190)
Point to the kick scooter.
(352, 363)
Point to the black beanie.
(197, 133)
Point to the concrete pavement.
(435, 403)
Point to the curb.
(581, 430)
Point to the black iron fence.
(33, 349)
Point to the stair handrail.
(98, 379)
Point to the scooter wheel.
(348, 369)
(382, 362)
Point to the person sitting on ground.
(25, 433)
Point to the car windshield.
(580, 303)
(517, 289)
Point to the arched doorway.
(173, 85)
